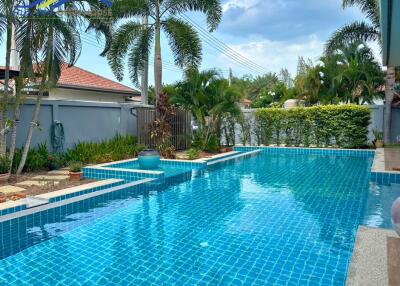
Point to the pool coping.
(379, 174)
(369, 263)
(68, 201)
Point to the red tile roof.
(78, 78)
(74, 77)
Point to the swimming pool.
(271, 219)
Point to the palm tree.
(46, 44)
(7, 22)
(210, 99)
(134, 39)
(360, 76)
(366, 31)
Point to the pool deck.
(372, 258)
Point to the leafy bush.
(36, 160)
(193, 154)
(56, 161)
(115, 149)
(345, 126)
(4, 164)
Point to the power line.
(225, 49)
(166, 65)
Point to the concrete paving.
(369, 265)
(51, 178)
(30, 183)
(58, 172)
(10, 189)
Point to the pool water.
(272, 219)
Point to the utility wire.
(167, 66)
(97, 42)
(225, 49)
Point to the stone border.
(240, 155)
(33, 201)
(48, 206)
(369, 262)
(379, 174)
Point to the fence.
(180, 127)
(82, 121)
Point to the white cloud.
(274, 55)
(244, 4)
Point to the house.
(78, 84)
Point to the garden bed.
(45, 187)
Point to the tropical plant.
(360, 77)
(7, 25)
(46, 45)
(134, 38)
(366, 31)
(4, 164)
(114, 149)
(161, 127)
(75, 167)
(210, 99)
(193, 153)
(378, 134)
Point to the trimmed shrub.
(344, 126)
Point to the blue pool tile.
(274, 219)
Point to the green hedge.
(344, 126)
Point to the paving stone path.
(52, 178)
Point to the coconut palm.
(366, 31)
(134, 39)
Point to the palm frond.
(369, 7)
(123, 38)
(357, 31)
(128, 8)
(139, 54)
(211, 8)
(184, 41)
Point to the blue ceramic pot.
(149, 159)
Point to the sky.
(272, 34)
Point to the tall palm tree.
(134, 39)
(366, 31)
(7, 22)
(46, 44)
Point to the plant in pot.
(378, 142)
(75, 171)
(4, 168)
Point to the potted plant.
(378, 142)
(4, 168)
(75, 171)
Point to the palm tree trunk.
(157, 55)
(17, 113)
(145, 72)
(389, 94)
(4, 103)
(33, 126)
